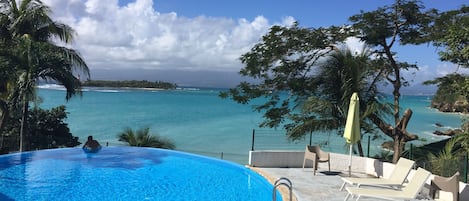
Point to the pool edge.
(283, 190)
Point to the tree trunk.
(398, 147)
(360, 148)
(24, 123)
(398, 133)
(4, 113)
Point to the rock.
(448, 132)
(457, 106)
(438, 125)
(458, 131)
(388, 145)
(438, 132)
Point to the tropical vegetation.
(450, 33)
(30, 51)
(339, 75)
(447, 161)
(451, 95)
(286, 61)
(143, 138)
(306, 75)
(442, 158)
(46, 126)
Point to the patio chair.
(315, 154)
(407, 192)
(446, 184)
(396, 178)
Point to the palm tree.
(34, 53)
(7, 74)
(143, 138)
(341, 74)
(446, 162)
(5, 91)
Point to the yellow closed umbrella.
(352, 126)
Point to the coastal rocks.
(449, 132)
(457, 106)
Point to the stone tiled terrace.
(325, 185)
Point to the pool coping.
(282, 189)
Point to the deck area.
(325, 185)
(306, 187)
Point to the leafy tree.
(7, 74)
(308, 81)
(337, 77)
(403, 22)
(30, 35)
(285, 59)
(5, 91)
(282, 63)
(451, 32)
(50, 130)
(451, 88)
(143, 138)
(47, 127)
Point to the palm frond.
(143, 138)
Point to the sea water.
(199, 121)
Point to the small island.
(142, 84)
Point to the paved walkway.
(306, 187)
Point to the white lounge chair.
(409, 191)
(396, 178)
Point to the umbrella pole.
(350, 162)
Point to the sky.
(199, 42)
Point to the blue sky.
(308, 12)
(118, 38)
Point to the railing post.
(465, 168)
(368, 148)
(252, 142)
(411, 152)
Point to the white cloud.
(355, 45)
(137, 36)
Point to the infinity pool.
(126, 173)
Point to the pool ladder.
(282, 181)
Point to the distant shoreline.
(130, 84)
(132, 88)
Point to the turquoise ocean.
(200, 122)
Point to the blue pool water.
(126, 173)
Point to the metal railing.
(279, 182)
